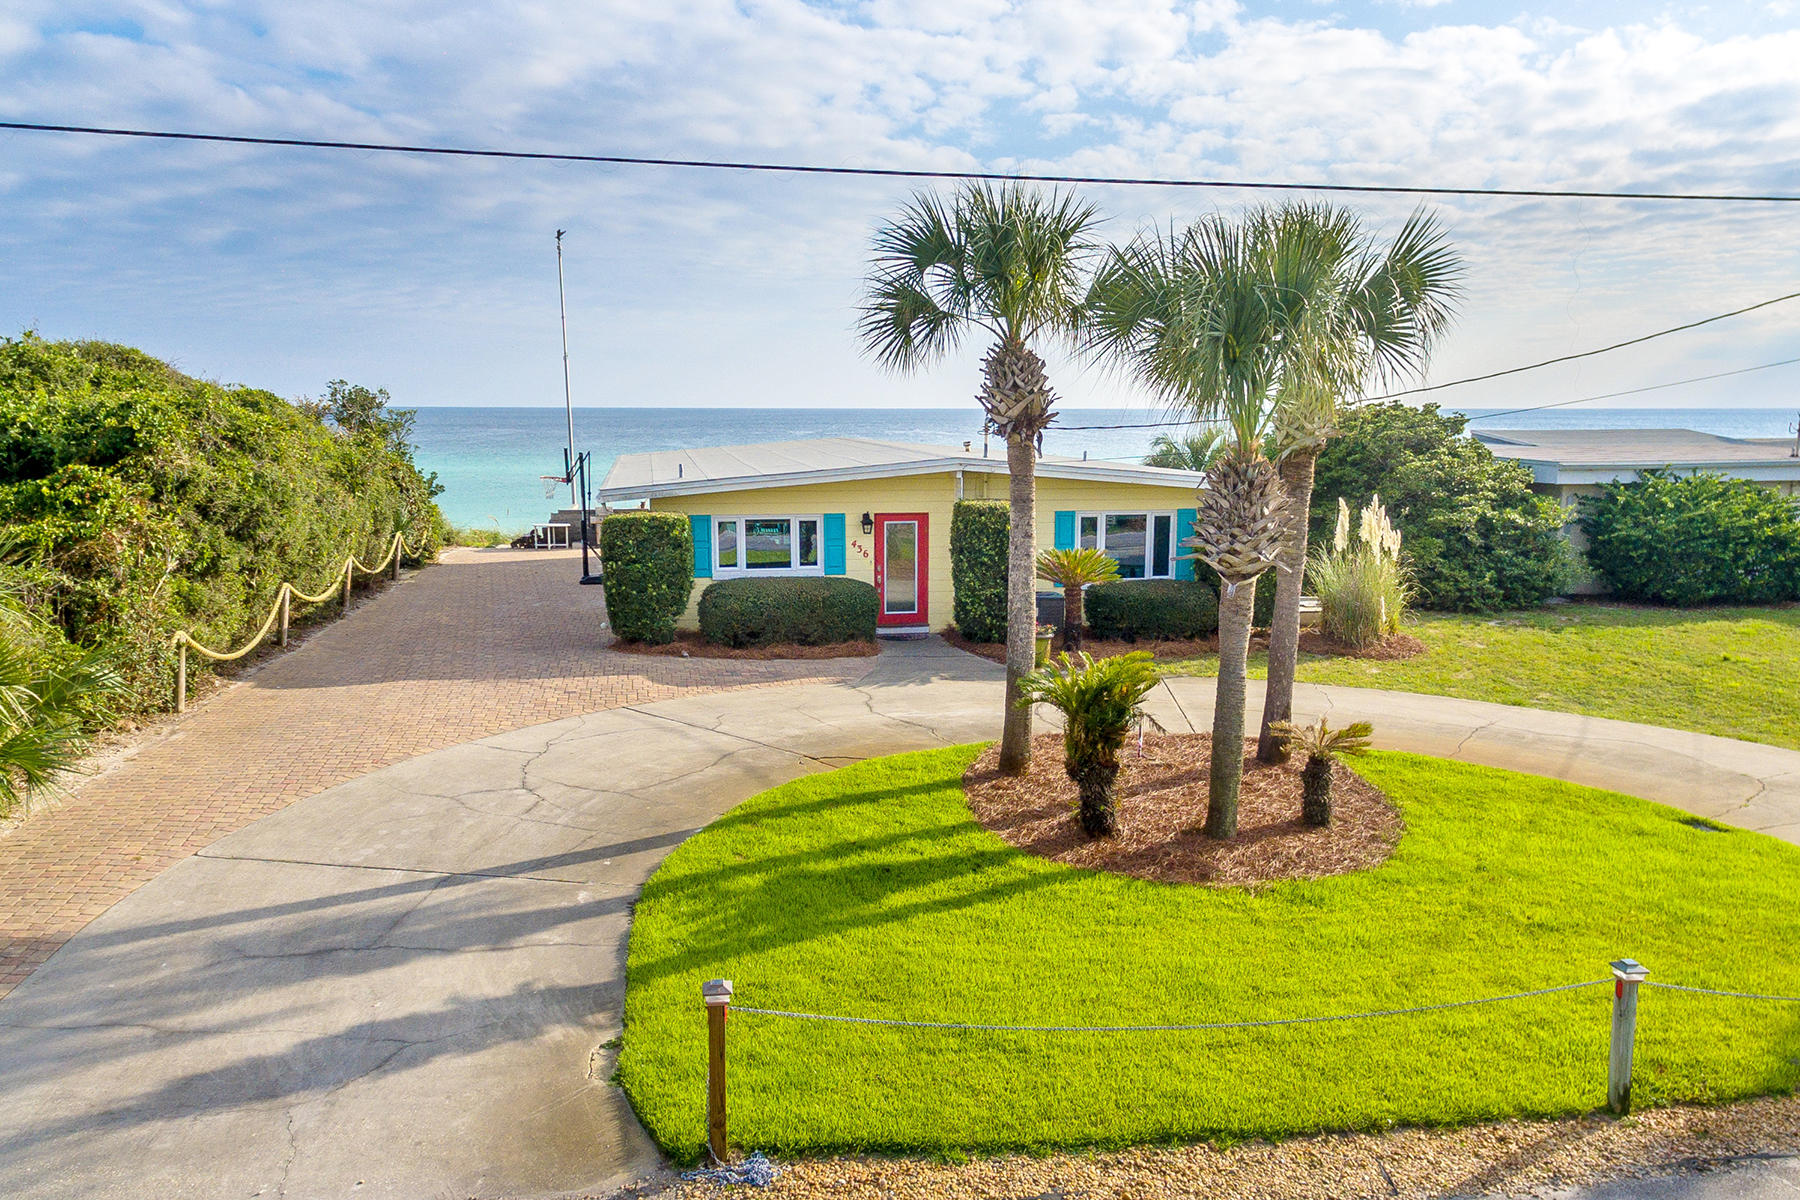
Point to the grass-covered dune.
(136, 500)
(870, 891)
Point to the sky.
(436, 279)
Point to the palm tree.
(1100, 702)
(1073, 570)
(1011, 262)
(44, 695)
(1194, 451)
(1200, 318)
(1372, 315)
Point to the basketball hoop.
(551, 483)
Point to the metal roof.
(1587, 455)
(826, 460)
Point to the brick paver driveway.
(483, 642)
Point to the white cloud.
(359, 254)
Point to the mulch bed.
(1401, 645)
(1162, 805)
(689, 644)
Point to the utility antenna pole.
(562, 305)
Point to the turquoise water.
(489, 459)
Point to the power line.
(1436, 387)
(1654, 387)
(900, 172)
(1545, 363)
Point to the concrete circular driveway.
(403, 986)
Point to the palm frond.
(1078, 567)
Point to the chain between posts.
(284, 595)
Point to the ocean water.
(489, 460)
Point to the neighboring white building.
(1571, 463)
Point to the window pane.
(769, 544)
(900, 568)
(1125, 542)
(1090, 533)
(1164, 546)
(728, 541)
(809, 543)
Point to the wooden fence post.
(349, 570)
(717, 994)
(285, 591)
(397, 558)
(181, 676)
(1628, 973)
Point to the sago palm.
(1009, 263)
(1100, 703)
(1073, 570)
(1322, 745)
(1362, 315)
(1198, 317)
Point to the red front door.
(900, 574)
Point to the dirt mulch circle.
(1389, 649)
(689, 644)
(1162, 805)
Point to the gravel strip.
(1508, 1158)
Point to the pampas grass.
(1360, 581)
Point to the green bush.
(649, 559)
(137, 501)
(796, 612)
(978, 551)
(1694, 539)
(1477, 537)
(1133, 610)
(1359, 579)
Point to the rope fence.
(183, 640)
(1627, 976)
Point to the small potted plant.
(1045, 633)
(1322, 745)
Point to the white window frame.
(793, 568)
(1149, 516)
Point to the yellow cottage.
(879, 511)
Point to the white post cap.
(716, 991)
(1630, 970)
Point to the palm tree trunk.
(1235, 605)
(1284, 626)
(1021, 600)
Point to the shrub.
(978, 550)
(1694, 539)
(1134, 610)
(1322, 745)
(1100, 703)
(1359, 580)
(137, 501)
(799, 612)
(649, 559)
(1477, 537)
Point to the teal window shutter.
(834, 543)
(1065, 530)
(702, 546)
(1185, 520)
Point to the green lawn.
(1729, 671)
(870, 891)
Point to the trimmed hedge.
(1694, 539)
(978, 546)
(649, 562)
(1145, 609)
(797, 612)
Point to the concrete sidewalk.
(403, 986)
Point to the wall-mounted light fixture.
(868, 523)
